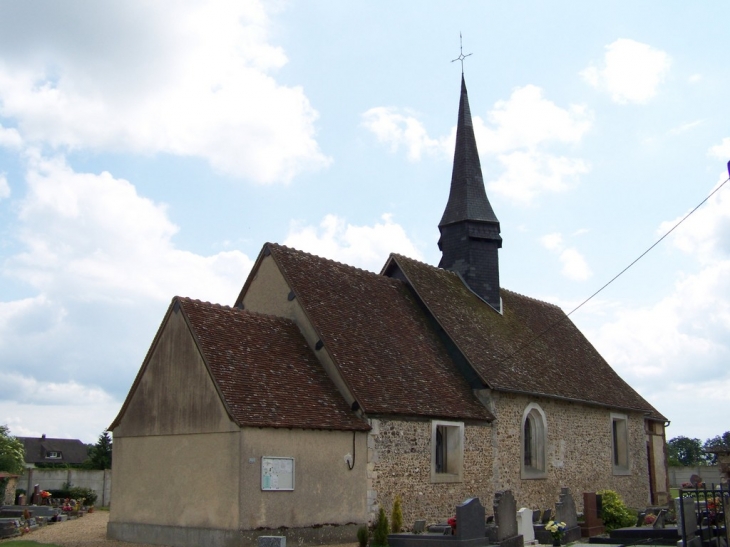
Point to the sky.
(150, 149)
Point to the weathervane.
(461, 56)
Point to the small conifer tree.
(380, 534)
(363, 534)
(396, 516)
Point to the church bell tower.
(469, 228)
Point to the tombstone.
(565, 512)
(640, 518)
(592, 523)
(419, 526)
(536, 514)
(686, 518)
(505, 517)
(524, 525)
(272, 541)
(659, 520)
(547, 516)
(470, 517)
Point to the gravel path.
(87, 531)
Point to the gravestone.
(592, 523)
(470, 517)
(640, 518)
(565, 512)
(686, 519)
(536, 514)
(659, 520)
(505, 517)
(470, 530)
(524, 526)
(547, 516)
(419, 526)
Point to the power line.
(614, 278)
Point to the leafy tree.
(719, 440)
(685, 451)
(100, 455)
(12, 453)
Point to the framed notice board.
(277, 473)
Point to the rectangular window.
(51, 455)
(447, 451)
(620, 444)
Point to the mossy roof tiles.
(382, 341)
(265, 370)
(532, 347)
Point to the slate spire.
(469, 228)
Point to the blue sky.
(149, 150)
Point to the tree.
(12, 453)
(719, 440)
(684, 451)
(100, 455)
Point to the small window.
(534, 442)
(447, 451)
(620, 444)
(52, 455)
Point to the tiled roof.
(265, 370)
(381, 340)
(37, 448)
(505, 348)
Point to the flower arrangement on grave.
(452, 522)
(649, 518)
(556, 529)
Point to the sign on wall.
(277, 473)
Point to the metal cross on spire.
(461, 56)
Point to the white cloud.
(529, 173)
(722, 150)
(364, 246)
(685, 127)
(631, 72)
(574, 264)
(10, 138)
(93, 237)
(401, 129)
(26, 390)
(4, 187)
(518, 131)
(190, 81)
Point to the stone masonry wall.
(399, 462)
(579, 453)
(579, 456)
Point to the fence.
(702, 515)
(680, 475)
(54, 479)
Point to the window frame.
(619, 431)
(533, 417)
(54, 455)
(454, 447)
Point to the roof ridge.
(533, 299)
(237, 310)
(329, 260)
(398, 255)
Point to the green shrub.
(380, 533)
(362, 536)
(615, 513)
(87, 494)
(396, 516)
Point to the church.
(324, 391)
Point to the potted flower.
(556, 529)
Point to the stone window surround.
(619, 431)
(536, 415)
(455, 449)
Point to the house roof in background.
(532, 347)
(265, 371)
(72, 451)
(381, 340)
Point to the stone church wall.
(579, 452)
(578, 456)
(399, 463)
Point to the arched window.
(534, 443)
